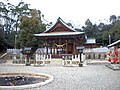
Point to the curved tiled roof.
(70, 32)
(60, 20)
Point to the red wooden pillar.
(47, 47)
(54, 49)
(66, 46)
(74, 47)
(51, 50)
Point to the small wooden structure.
(61, 39)
(90, 43)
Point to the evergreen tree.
(3, 43)
(30, 25)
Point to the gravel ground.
(93, 77)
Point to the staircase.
(57, 62)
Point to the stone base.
(81, 65)
(114, 66)
(28, 64)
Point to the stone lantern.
(81, 51)
(26, 53)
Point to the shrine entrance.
(61, 39)
(60, 46)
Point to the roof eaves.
(59, 34)
(113, 43)
(49, 28)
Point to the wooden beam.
(74, 47)
(66, 46)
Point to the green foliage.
(102, 31)
(90, 29)
(3, 43)
(30, 25)
(25, 22)
(115, 31)
(22, 21)
(112, 18)
(10, 16)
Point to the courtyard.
(95, 76)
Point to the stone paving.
(95, 76)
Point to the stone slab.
(113, 66)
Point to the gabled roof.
(51, 32)
(59, 20)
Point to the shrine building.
(61, 39)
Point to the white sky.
(77, 11)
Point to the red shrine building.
(61, 39)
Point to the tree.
(105, 38)
(115, 32)
(88, 23)
(102, 31)
(115, 28)
(30, 25)
(10, 18)
(90, 29)
(18, 11)
(112, 18)
(3, 43)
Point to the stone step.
(56, 61)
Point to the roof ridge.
(60, 19)
(63, 22)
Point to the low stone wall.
(100, 56)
